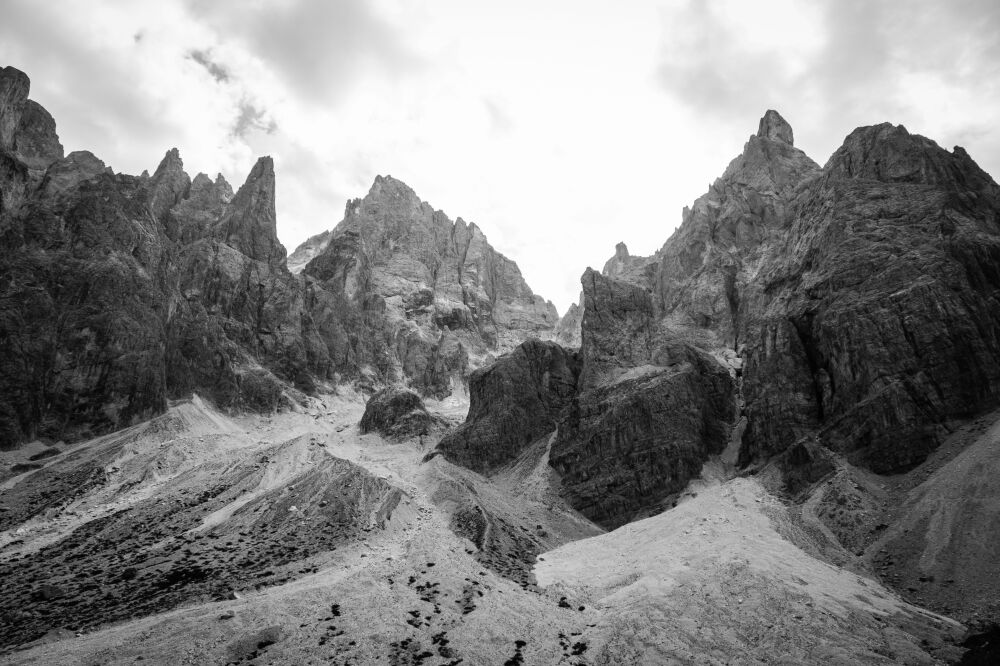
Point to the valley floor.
(293, 539)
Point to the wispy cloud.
(319, 47)
(204, 59)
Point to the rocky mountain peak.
(891, 154)
(14, 85)
(387, 186)
(65, 174)
(776, 128)
(250, 223)
(26, 129)
(200, 182)
(169, 184)
(223, 187)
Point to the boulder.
(397, 413)
(512, 403)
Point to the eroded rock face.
(567, 331)
(861, 296)
(249, 222)
(439, 299)
(638, 409)
(862, 300)
(625, 447)
(397, 413)
(651, 408)
(119, 292)
(311, 248)
(512, 403)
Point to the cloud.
(500, 120)
(560, 128)
(251, 118)
(204, 59)
(319, 47)
(833, 65)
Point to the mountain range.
(774, 440)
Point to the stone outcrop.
(397, 413)
(637, 409)
(512, 403)
(650, 410)
(437, 297)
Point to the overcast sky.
(560, 128)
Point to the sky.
(559, 127)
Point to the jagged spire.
(250, 224)
(169, 184)
(776, 128)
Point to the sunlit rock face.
(438, 297)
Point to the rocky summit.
(773, 441)
(441, 298)
(123, 292)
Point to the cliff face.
(440, 299)
(862, 296)
(512, 403)
(637, 409)
(119, 292)
(650, 408)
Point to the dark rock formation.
(862, 296)
(512, 403)
(438, 298)
(119, 292)
(398, 413)
(249, 223)
(638, 409)
(624, 447)
(651, 409)
(863, 300)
